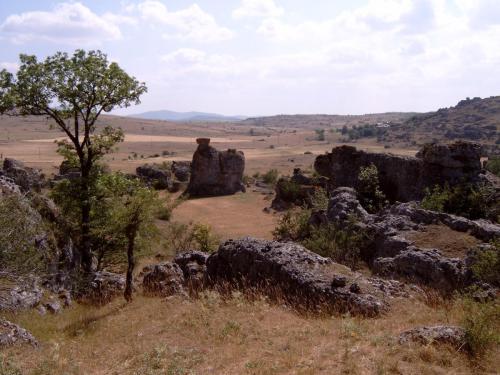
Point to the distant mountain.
(186, 116)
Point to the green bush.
(270, 177)
(293, 225)
(493, 165)
(320, 134)
(481, 322)
(370, 195)
(289, 190)
(486, 265)
(470, 201)
(206, 240)
(319, 199)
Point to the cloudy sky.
(262, 57)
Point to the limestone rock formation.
(300, 276)
(181, 170)
(100, 287)
(155, 175)
(404, 178)
(193, 266)
(25, 177)
(215, 172)
(164, 279)
(11, 334)
(451, 335)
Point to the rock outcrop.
(296, 274)
(25, 177)
(193, 266)
(164, 279)
(100, 288)
(155, 175)
(405, 178)
(215, 172)
(389, 254)
(451, 335)
(11, 334)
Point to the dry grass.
(211, 335)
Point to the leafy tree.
(320, 134)
(73, 91)
(127, 213)
(372, 198)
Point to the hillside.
(322, 120)
(185, 116)
(471, 119)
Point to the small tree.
(320, 134)
(128, 210)
(372, 198)
(73, 92)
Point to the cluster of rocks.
(11, 334)
(15, 173)
(286, 271)
(215, 173)
(450, 335)
(170, 176)
(389, 254)
(405, 178)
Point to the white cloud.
(191, 23)
(10, 66)
(71, 23)
(258, 8)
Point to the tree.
(127, 212)
(73, 92)
(371, 197)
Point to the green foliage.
(371, 197)
(178, 237)
(319, 199)
(270, 177)
(343, 245)
(481, 322)
(486, 264)
(289, 190)
(493, 165)
(473, 202)
(320, 134)
(293, 225)
(205, 239)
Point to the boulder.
(181, 170)
(100, 288)
(164, 279)
(215, 172)
(8, 186)
(11, 334)
(25, 177)
(193, 266)
(404, 178)
(155, 175)
(451, 335)
(22, 296)
(298, 275)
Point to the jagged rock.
(11, 334)
(155, 175)
(450, 335)
(193, 266)
(343, 205)
(404, 178)
(164, 279)
(100, 288)
(25, 177)
(181, 170)
(24, 296)
(427, 266)
(8, 186)
(303, 277)
(215, 172)
(54, 307)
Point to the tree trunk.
(85, 246)
(131, 266)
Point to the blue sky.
(262, 57)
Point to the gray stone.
(11, 334)
(451, 335)
(163, 279)
(215, 172)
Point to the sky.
(265, 57)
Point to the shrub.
(486, 265)
(289, 190)
(493, 165)
(320, 134)
(343, 245)
(481, 322)
(293, 225)
(319, 199)
(371, 197)
(470, 201)
(206, 240)
(179, 237)
(270, 177)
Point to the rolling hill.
(186, 116)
